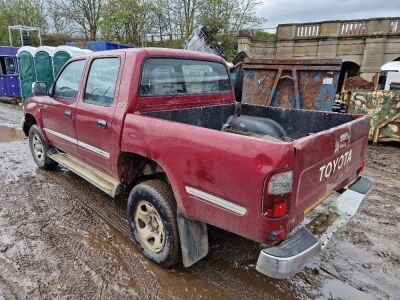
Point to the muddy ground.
(62, 238)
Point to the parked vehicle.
(389, 77)
(164, 125)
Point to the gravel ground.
(60, 237)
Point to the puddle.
(8, 134)
(336, 289)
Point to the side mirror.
(39, 88)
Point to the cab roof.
(161, 52)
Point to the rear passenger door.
(94, 115)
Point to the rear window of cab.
(174, 76)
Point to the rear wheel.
(39, 149)
(152, 220)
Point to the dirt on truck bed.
(61, 237)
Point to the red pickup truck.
(164, 125)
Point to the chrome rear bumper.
(290, 256)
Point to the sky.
(300, 11)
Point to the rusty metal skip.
(290, 83)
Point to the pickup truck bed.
(296, 123)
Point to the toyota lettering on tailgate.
(335, 165)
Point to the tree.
(85, 13)
(229, 16)
(57, 19)
(3, 27)
(245, 16)
(224, 18)
(21, 12)
(190, 8)
(127, 20)
(159, 22)
(216, 15)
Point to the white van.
(389, 78)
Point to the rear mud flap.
(194, 240)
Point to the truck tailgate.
(327, 160)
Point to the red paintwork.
(230, 166)
(53, 117)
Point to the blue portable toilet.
(9, 82)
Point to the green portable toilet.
(27, 73)
(62, 54)
(44, 64)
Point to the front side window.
(67, 84)
(173, 76)
(102, 78)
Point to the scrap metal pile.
(201, 40)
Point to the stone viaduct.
(363, 45)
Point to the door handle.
(102, 123)
(68, 113)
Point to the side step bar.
(99, 179)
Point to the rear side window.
(166, 77)
(102, 78)
(67, 84)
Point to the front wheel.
(152, 220)
(39, 149)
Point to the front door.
(94, 115)
(59, 111)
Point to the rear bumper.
(290, 256)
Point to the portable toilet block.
(62, 54)
(27, 73)
(44, 64)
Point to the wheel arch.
(133, 168)
(29, 120)
(193, 234)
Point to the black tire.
(159, 194)
(43, 161)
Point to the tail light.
(277, 188)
